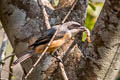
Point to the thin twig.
(62, 70)
(46, 16)
(3, 47)
(10, 69)
(70, 11)
(50, 41)
(8, 57)
(42, 54)
(60, 63)
(17, 77)
(2, 50)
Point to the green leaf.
(92, 6)
(55, 3)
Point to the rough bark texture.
(23, 20)
(103, 54)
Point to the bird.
(65, 33)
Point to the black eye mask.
(74, 26)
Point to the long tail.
(21, 59)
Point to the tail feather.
(21, 59)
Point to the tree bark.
(23, 21)
(102, 56)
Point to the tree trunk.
(23, 21)
(102, 56)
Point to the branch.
(17, 77)
(10, 69)
(3, 49)
(50, 41)
(62, 70)
(70, 11)
(8, 57)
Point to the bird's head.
(75, 28)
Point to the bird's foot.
(58, 59)
(56, 55)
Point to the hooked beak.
(84, 29)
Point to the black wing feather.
(47, 37)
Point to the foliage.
(93, 12)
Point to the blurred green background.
(93, 12)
